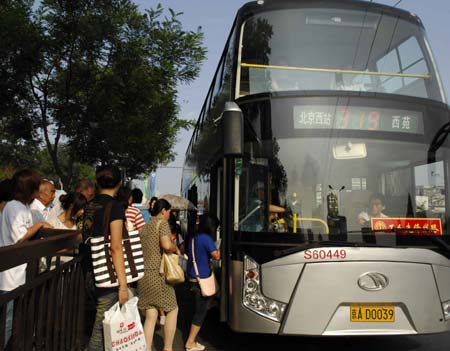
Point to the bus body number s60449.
(325, 254)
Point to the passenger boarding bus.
(322, 147)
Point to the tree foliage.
(105, 87)
(18, 58)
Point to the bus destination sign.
(357, 118)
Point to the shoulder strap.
(128, 251)
(125, 243)
(106, 219)
(197, 274)
(107, 239)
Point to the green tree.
(19, 56)
(105, 91)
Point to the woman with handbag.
(153, 290)
(200, 249)
(104, 210)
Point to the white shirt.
(56, 206)
(57, 224)
(39, 210)
(367, 217)
(16, 219)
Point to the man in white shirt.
(42, 204)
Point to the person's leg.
(149, 326)
(170, 328)
(193, 332)
(162, 316)
(201, 309)
(90, 305)
(9, 321)
(104, 303)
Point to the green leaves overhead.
(103, 83)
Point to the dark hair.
(108, 177)
(377, 196)
(76, 199)
(6, 190)
(25, 184)
(160, 204)
(123, 195)
(150, 209)
(83, 185)
(173, 222)
(137, 195)
(208, 224)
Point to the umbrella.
(178, 202)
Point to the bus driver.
(376, 206)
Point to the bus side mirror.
(233, 130)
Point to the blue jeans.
(9, 318)
(104, 303)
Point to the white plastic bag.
(122, 328)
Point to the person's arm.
(363, 218)
(165, 239)
(211, 247)
(215, 255)
(167, 245)
(139, 221)
(115, 228)
(31, 231)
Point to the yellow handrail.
(308, 219)
(336, 70)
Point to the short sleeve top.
(93, 225)
(204, 246)
(94, 214)
(16, 220)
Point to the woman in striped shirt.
(135, 220)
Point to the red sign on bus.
(425, 226)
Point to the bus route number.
(320, 254)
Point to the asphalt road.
(217, 336)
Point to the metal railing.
(49, 307)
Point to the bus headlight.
(446, 309)
(253, 298)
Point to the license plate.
(372, 313)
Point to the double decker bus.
(322, 147)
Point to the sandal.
(197, 347)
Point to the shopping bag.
(122, 328)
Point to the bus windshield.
(336, 50)
(346, 178)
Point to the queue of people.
(28, 204)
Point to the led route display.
(357, 118)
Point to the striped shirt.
(135, 221)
